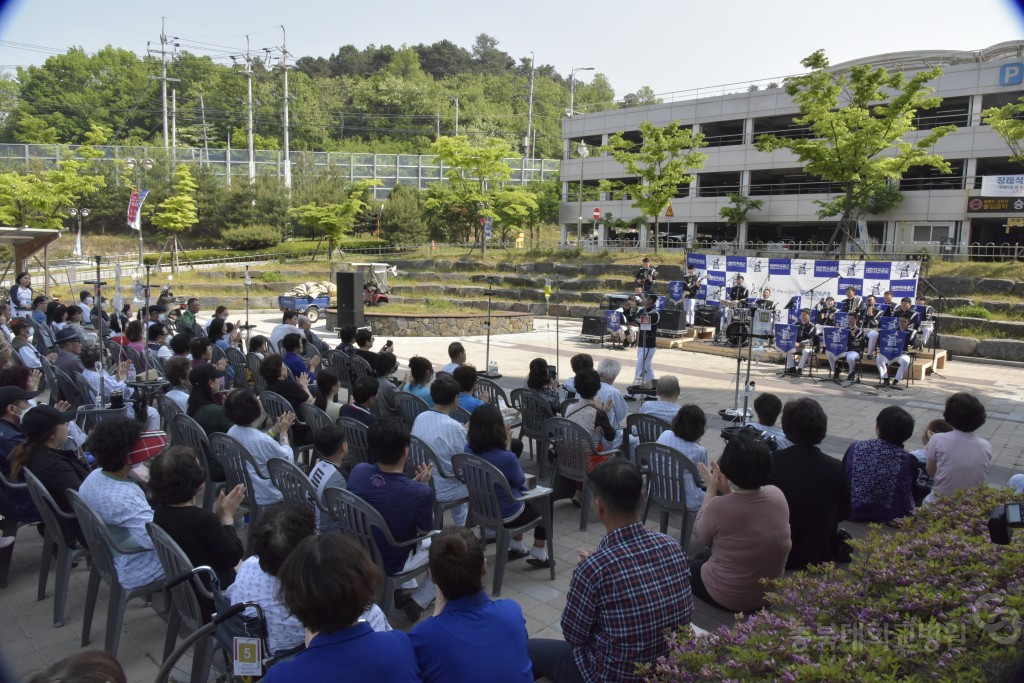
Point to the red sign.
(597, 214)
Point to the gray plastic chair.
(573, 446)
(292, 482)
(55, 542)
(50, 379)
(190, 434)
(534, 409)
(422, 454)
(409, 407)
(484, 480)
(253, 361)
(168, 409)
(11, 524)
(358, 443)
(102, 548)
(360, 519)
(666, 485)
(275, 406)
(184, 589)
(239, 468)
(237, 362)
(460, 415)
(360, 368)
(488, 391)
(314, 417)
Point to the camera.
(1004, 518)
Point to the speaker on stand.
(350, 299)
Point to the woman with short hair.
(417, 382)
(243, 409)
(687, 429)
(881, 472)
(543, 381)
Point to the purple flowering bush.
(932, 599)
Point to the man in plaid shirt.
(624, 597)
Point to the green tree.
(515, 208)
(642, 97)
(659, 164)
(334, 220)
(401, 218)
(739, 206)
(178, 212)
(859, 121)
(1008, 122)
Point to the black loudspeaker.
(672, 320)
(350, 299)
(593, 326)
(704, 316)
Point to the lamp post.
(584, 153)
(79, 213)
(456, 101)
(572, 87)
(139, 166)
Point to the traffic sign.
(597, 214)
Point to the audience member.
(289, 325)
(488, 438)
(201, 351)
(666, 388)
(364, 342)
(295, 391)
(687, 429)
(331, 445)
(446, 437)
(326, 397)
(120, 502)
(959, 459)
(243, 408)
(91, 666)
(310, 338)
(588, 413)
(385, 405)
(768, 407)
(745, 524)
(457, 355)
(69, 349)
(417, 382)
(208, 538)
(542, 379)
(815, 485)
(326, 583)
(205, 401)
(291, 345)
(581, 361)
(176, 371)
(624, 597)
(114, 382)
(465, 375)
(407, 504)
(180, 345)
(364, 396)
(158, 341)
(470, 637)
(348, 338)
(14, 504)
(881, 473)
(258, 346)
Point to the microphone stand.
(935, 323)
(490, 292)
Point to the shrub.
(932, 600)
(252, 237)
(971, 312)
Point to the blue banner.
(826, 268)
(856, 283)
(698, 261)
(920, 311)
(902, 288)
(835, 341)
(612, 320)
(675, 290)
(661, 303)
(779, 266)
(785, 337)
(890, 344)
(716, 278)
(793, 316)
(888, 323)
(842, 319)
(877, 270)
(736, 264)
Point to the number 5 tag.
(248, 660)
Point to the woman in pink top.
(958, 459)
(748, 523)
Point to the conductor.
(647, 319)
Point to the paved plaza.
(30, 642)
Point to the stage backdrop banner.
(812, 280)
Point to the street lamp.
(141, 165)
(584, 153)
(78, 213)
(572, 87)
(456, 101)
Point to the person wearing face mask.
(157, 314)
(86, 302)
(158, 341)
(22, 343)
(17, 504)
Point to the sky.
(669, 45)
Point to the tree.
(736, 214)
(1008, 122)
(660, 165)
(401, 217)
(859, 121)
(641, 97)
(515, 207)
(334, 220)
(178, 212)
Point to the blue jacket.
(357, 653)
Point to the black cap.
(66, 335)
(157, 308)
(42, 418)
(9, 395)
(205, 373)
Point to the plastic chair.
(292, 482)
(338, 359)
(253, 361)
(409, 407)
(360, 519)
(55, 543)
(11, 523)
(422, 454)
(483, 481)
(646, 427)
(564, 405)
(487, 390)
(102, 548)
(216, 354)
(275, 406)
(50, 380)
(238, 365)
(168, 410)
(360, 368)
(535, 409)
(239, 468)
(574, 446)
(666, 485)
(155, 362)
(461, 415)
(358, 443)
(184, 588)
(315, 418)
(190, 434)
(68, 389)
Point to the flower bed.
(932, 600)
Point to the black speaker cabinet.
(593, 326)
(672, 320)
(350, 299)
(704, 316)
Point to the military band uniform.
(646, 344)
(871, 322)
(852, 304)
(827, 316)
(854, 347)
(927, 325)
(645, 278)
(913, 341)
(691, 285)
(806, 339)
(738, 293)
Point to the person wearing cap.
(69, 346)
(46, 429)
(119, 501)
(17, 504)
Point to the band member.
(871, 323)
(625, 335)
(927, 320)
(854, 347)
(906, 310)
(765, 301)
(852, 303)
(647, 319)
(645, 277)
(888, 305)
(738, 292)
(806, 341)
(912, 341)
(691, 286)
(827, 315)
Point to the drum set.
(737, 320)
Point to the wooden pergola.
(27, 242)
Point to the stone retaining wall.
(453, 325)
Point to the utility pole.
(206, 141)
(163, 76)
(456, 101)
(529, 120)
(174, 118)
(287, 151)
(248, 127)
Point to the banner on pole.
(78, 243)
(836, 340)
(675, 290)
(612, 320)
(785, 337)
(890, 344)
(135, 202)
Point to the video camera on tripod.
(1002, 519)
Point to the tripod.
(490, 374)
(734, 414)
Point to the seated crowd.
(772, 502)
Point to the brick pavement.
(30, 642)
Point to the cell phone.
(388, 344)
(1013, 513)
